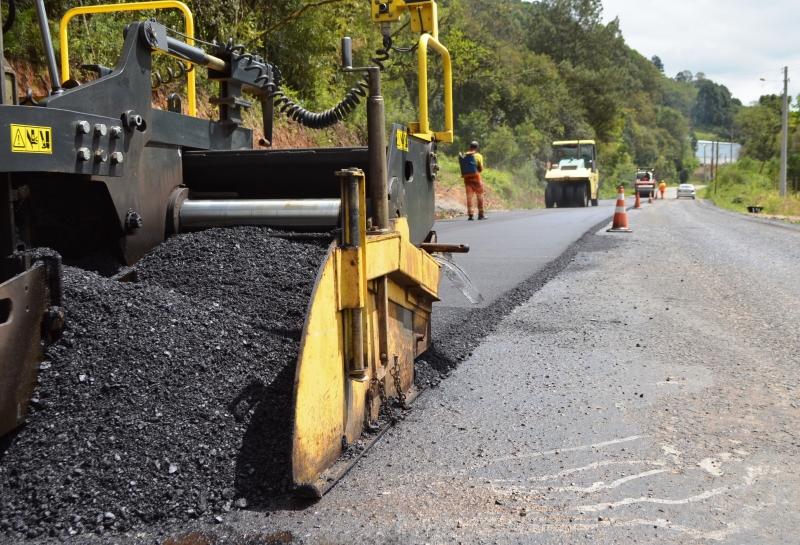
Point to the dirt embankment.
(450, 198)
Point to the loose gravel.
(167, 399)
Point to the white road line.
(596, 465)
(601, 485)
(541, 453)
(629, 501)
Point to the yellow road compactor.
(572, 176)
(95, 169)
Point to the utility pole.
(705, 165)
(784, 132)
(716, 170)
(713, 165)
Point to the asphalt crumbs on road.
(644, 390)
(646, 394)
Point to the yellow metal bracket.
(352, 260)
(425, 41)
(424, 16)
(188, 20)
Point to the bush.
(751, 183)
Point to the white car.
(686, 190)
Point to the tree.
(758, 127)
(684, 76)
(714, 107)
(656, 60)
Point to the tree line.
(526, 74)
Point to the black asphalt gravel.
(646, 394)
(167, 399)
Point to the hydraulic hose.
(269, 78)
(171, 75)
(331, 116)
(12, 14)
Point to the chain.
(395, 371)
(378, 385)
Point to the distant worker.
(471, 168)
(662, 188)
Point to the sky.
(734, 42)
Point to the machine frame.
(95, 168)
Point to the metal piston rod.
(298, 213)
(47, 44)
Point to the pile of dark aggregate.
(266, 278)
(167, 399)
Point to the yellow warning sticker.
(402, 140)
(31, 139)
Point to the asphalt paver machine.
(94, 168)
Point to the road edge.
(446, 353)
(764, 221)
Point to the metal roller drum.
(297, 213)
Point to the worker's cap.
(474, 145)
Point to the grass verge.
(504, 189)
(749, 183)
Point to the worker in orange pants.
(471, 168)
(662, 188)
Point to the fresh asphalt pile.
(169, 398)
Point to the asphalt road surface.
(647, 392)
(509, 247)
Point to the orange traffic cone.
(620, 224)
(638, 203)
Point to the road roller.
(95, 169)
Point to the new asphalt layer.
(647, 393)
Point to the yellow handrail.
(425, 41)
(188, 19)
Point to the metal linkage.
(2, 62)
(47, 43)
(353, 241)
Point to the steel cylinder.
(47, 44)
(378, 172)
(2, 64)
(298, 213)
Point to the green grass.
(747, 183)
(515, 189)
(609, 190)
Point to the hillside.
(525, 74)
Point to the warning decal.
(31, 139)
(402, 140)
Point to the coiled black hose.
(172, 75)
(331, 116)
(12, 14)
